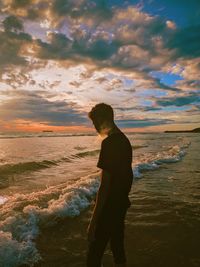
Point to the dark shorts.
(110, 229)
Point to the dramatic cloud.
(11, 45)
(186, 42)
(180, 101)
(23, 105)
(137, 57)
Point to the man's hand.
(91, 232)
(100, 200)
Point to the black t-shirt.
(116, 158)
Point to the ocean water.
(48, 182)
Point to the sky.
(59, 58)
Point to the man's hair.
(101, 112)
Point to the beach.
(48, 183)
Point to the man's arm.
(100, 201)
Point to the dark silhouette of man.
(112, 202)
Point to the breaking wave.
(172, 155)
(22, 216)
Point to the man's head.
(102, 115)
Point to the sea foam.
(23, 215)
(171, 155)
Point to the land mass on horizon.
(196, 130)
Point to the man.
(112, 202)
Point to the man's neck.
(113, 129)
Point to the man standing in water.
(112, 202)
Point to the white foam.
(171, 155)
(13, 253)
(23, 214)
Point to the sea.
(48, 183)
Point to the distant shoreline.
(196, 130)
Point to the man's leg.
(95, 253)
(97, 247)
(117, 240)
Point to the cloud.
(54, 84)
(116, 82)
(130, 90)
(75, 84)
(150, 82)
(27, 9)
(13, 43)
(189, 84)
(125, 44)
(17, 78)
(35, 107)
(10, 46)
(129, 40)
(75, 9)
(170, 24)
(59, 47)
(179, 101)
(12, 23)
(113, 84)
(142, 122)
(139, 108)
(165, 87)
(123, 40)
(101, 79)
(191, 68)
(151, 109)
(194, 110)
(186, 42)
